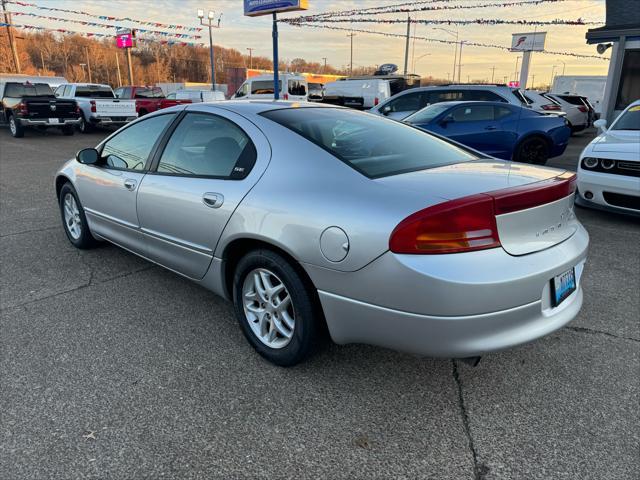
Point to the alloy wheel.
(12, 125)
(268, 308)
(72, 219)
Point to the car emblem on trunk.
(52, 107)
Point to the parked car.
(580, 112)
(292, 87)
(362, 94)
(34, 105)
(540, 103)
(609, 167)
(309, 216)
(148, 99)
(316, 92)
(498, 129)
(410, 101)
(98, 104)
(198, 96)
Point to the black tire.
(85, 240)
(67, 130)
(308, 318)
(15, 127)
(534, 150)
(84, 126)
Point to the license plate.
(54, 120)
(563, 286)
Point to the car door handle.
(130, 184)
(490, 127)
(213, 200)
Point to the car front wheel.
(275, 307)
(73, 218)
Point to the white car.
(609, 167)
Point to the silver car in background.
(310, 217)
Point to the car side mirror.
(446, 120)
(601, 124)
(88, 156)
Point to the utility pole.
(493, 71)
(118, 67)
(325, 64)
(350, 35)
(406, 47)
(12, 41)
(86, 54)
(460, 60)
(250, 56)
(129, 66)
(42, 60)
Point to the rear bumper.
(351, 321)
(112, 120)
(33, 122)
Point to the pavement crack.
(480, 470)
(14, 234)
(591, 331)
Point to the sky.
(240, 32)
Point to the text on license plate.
(563, 286)
(54, 120)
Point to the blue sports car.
(497, 129)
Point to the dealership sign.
(528, 42)
(125, 38)
(254, 8)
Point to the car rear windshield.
(518, 94)
(153, 92)
(372, 145)
(94, 91)
(572, 99)
(28, 90)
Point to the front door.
(195, 184)
(109, 189)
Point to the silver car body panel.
(365, 296)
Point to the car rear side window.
(482, 96)
(372, 145)
(129, 149)
(206, 145)
(473, 113)
(409, 102)
(297, 88)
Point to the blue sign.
(254, 8)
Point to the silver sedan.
(313, 218)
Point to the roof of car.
(259, 106)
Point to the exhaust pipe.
(472, 361)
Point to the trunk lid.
(118, 108)
(540, 214)
(45, 107)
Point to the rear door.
(198, 178)
(108, 191)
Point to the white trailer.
(590, 86)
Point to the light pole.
(413, 67)
(553, 71)
(324, 68)
(351, 35)
(210, 25)
(250, 56)
(455, 51)
(564, 65)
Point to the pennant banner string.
(477, 21)
(107, 17)
(449, 42)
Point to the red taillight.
(583, 109)
(376, 101)
(285, 96)
(551, 106)
(93, 105)
(469, 223)
(460, 225)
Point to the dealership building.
(621, 34)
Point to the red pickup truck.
(148, 99)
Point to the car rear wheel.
(275, 308)
(15, 127)
(74, 220)
(84, 126)
(533, 150)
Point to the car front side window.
(205, 145)
(130, 148)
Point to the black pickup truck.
(34, 105)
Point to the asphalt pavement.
(111, 368)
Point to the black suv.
(34, 105)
